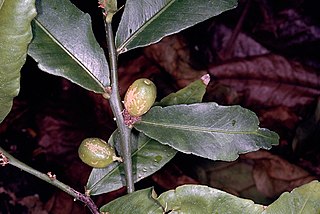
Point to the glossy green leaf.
(304, 199)
(147, 21)
(193, 93)
(139, 202)
(64, 45)
(148, 157)
(186, 199)
(207, 130)
(15, 35)
(198, 199)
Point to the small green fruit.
(97, 153)
(140, 97)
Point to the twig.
(116, 106)
(6, 158)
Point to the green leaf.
(304, 199)
(198, 199)
(207, 130)
(193, 93)
(186, 199)
(15, 35)
(64, 45)
(148, 157)
(147, 21)
(138, 202)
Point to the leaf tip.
(205, 79)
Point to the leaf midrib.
(144, 26)
(305, 203)
(68, 53)
(1, 3)
(198, 128)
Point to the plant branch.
(116, 106)
(6, 158)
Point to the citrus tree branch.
(117, 109)
(6, 158)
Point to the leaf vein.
(198, 129)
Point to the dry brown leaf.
(62, 203)
(134, 69)
(279, 115)
(170, 177)
(173, 54)
(290, 31)
(58, 139)
(274, 175)
(243, 46)
(30, 203)
(270, 80)
(233, 177)
(34, 204)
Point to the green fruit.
(140, 97)
(97, 153)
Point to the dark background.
(263, 55)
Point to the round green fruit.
(140, 97)
(97, 153)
